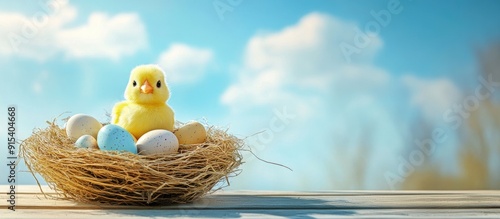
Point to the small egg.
(158, 142)
(81, 124)
(113, 137)
(86, 141)
(191, 133)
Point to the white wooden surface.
(259, 204)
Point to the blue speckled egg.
(115, 138)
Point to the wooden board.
(264, 204)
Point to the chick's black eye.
(134, 83)
(158, 84)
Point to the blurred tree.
(478, 141)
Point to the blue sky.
(244, 68)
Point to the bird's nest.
(95, 176)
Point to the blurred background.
(358, 94)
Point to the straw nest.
(109, 177)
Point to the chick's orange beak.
(146, 88)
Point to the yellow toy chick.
(145, 108)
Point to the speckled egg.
(191, 133)
(86, 141)
(81, 124)
(115, 138)
(157, 142)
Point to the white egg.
(157, 142)
(86, 141)
(80, 124)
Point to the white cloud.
(433, 96)
(304, 57)
(45, 33)
(24, 36)
(104, 36)
(9, 22)
(183, 63)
